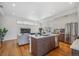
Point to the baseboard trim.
(9, 39)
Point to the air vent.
(66, 15)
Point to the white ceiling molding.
(62, 14)
(67, 12)
(25, 23)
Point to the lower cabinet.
(62, 37)
(52, 43)
(75, 52)
(42, 46)
(0, 44)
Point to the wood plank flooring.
(11, 48)
(62, 50)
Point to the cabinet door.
(47, 43)
(0, 44)
(52, 42)
(43, 45)
(34, 46)
(62, 37)
(68, 38)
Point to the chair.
(23, 39)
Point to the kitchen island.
(41, 45)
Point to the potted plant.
(3, 32)
(40, 30)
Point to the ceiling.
(35, 10)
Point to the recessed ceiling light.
(13, 13)
(70, 2)
(13, 4)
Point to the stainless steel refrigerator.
(71, 32)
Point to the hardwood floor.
(11, 48)
(62, 50)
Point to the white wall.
(61, 21)
(78, 17)
(0, 20)
(9, 22)
(1, 16)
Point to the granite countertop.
(75, 45)
(43, 36)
